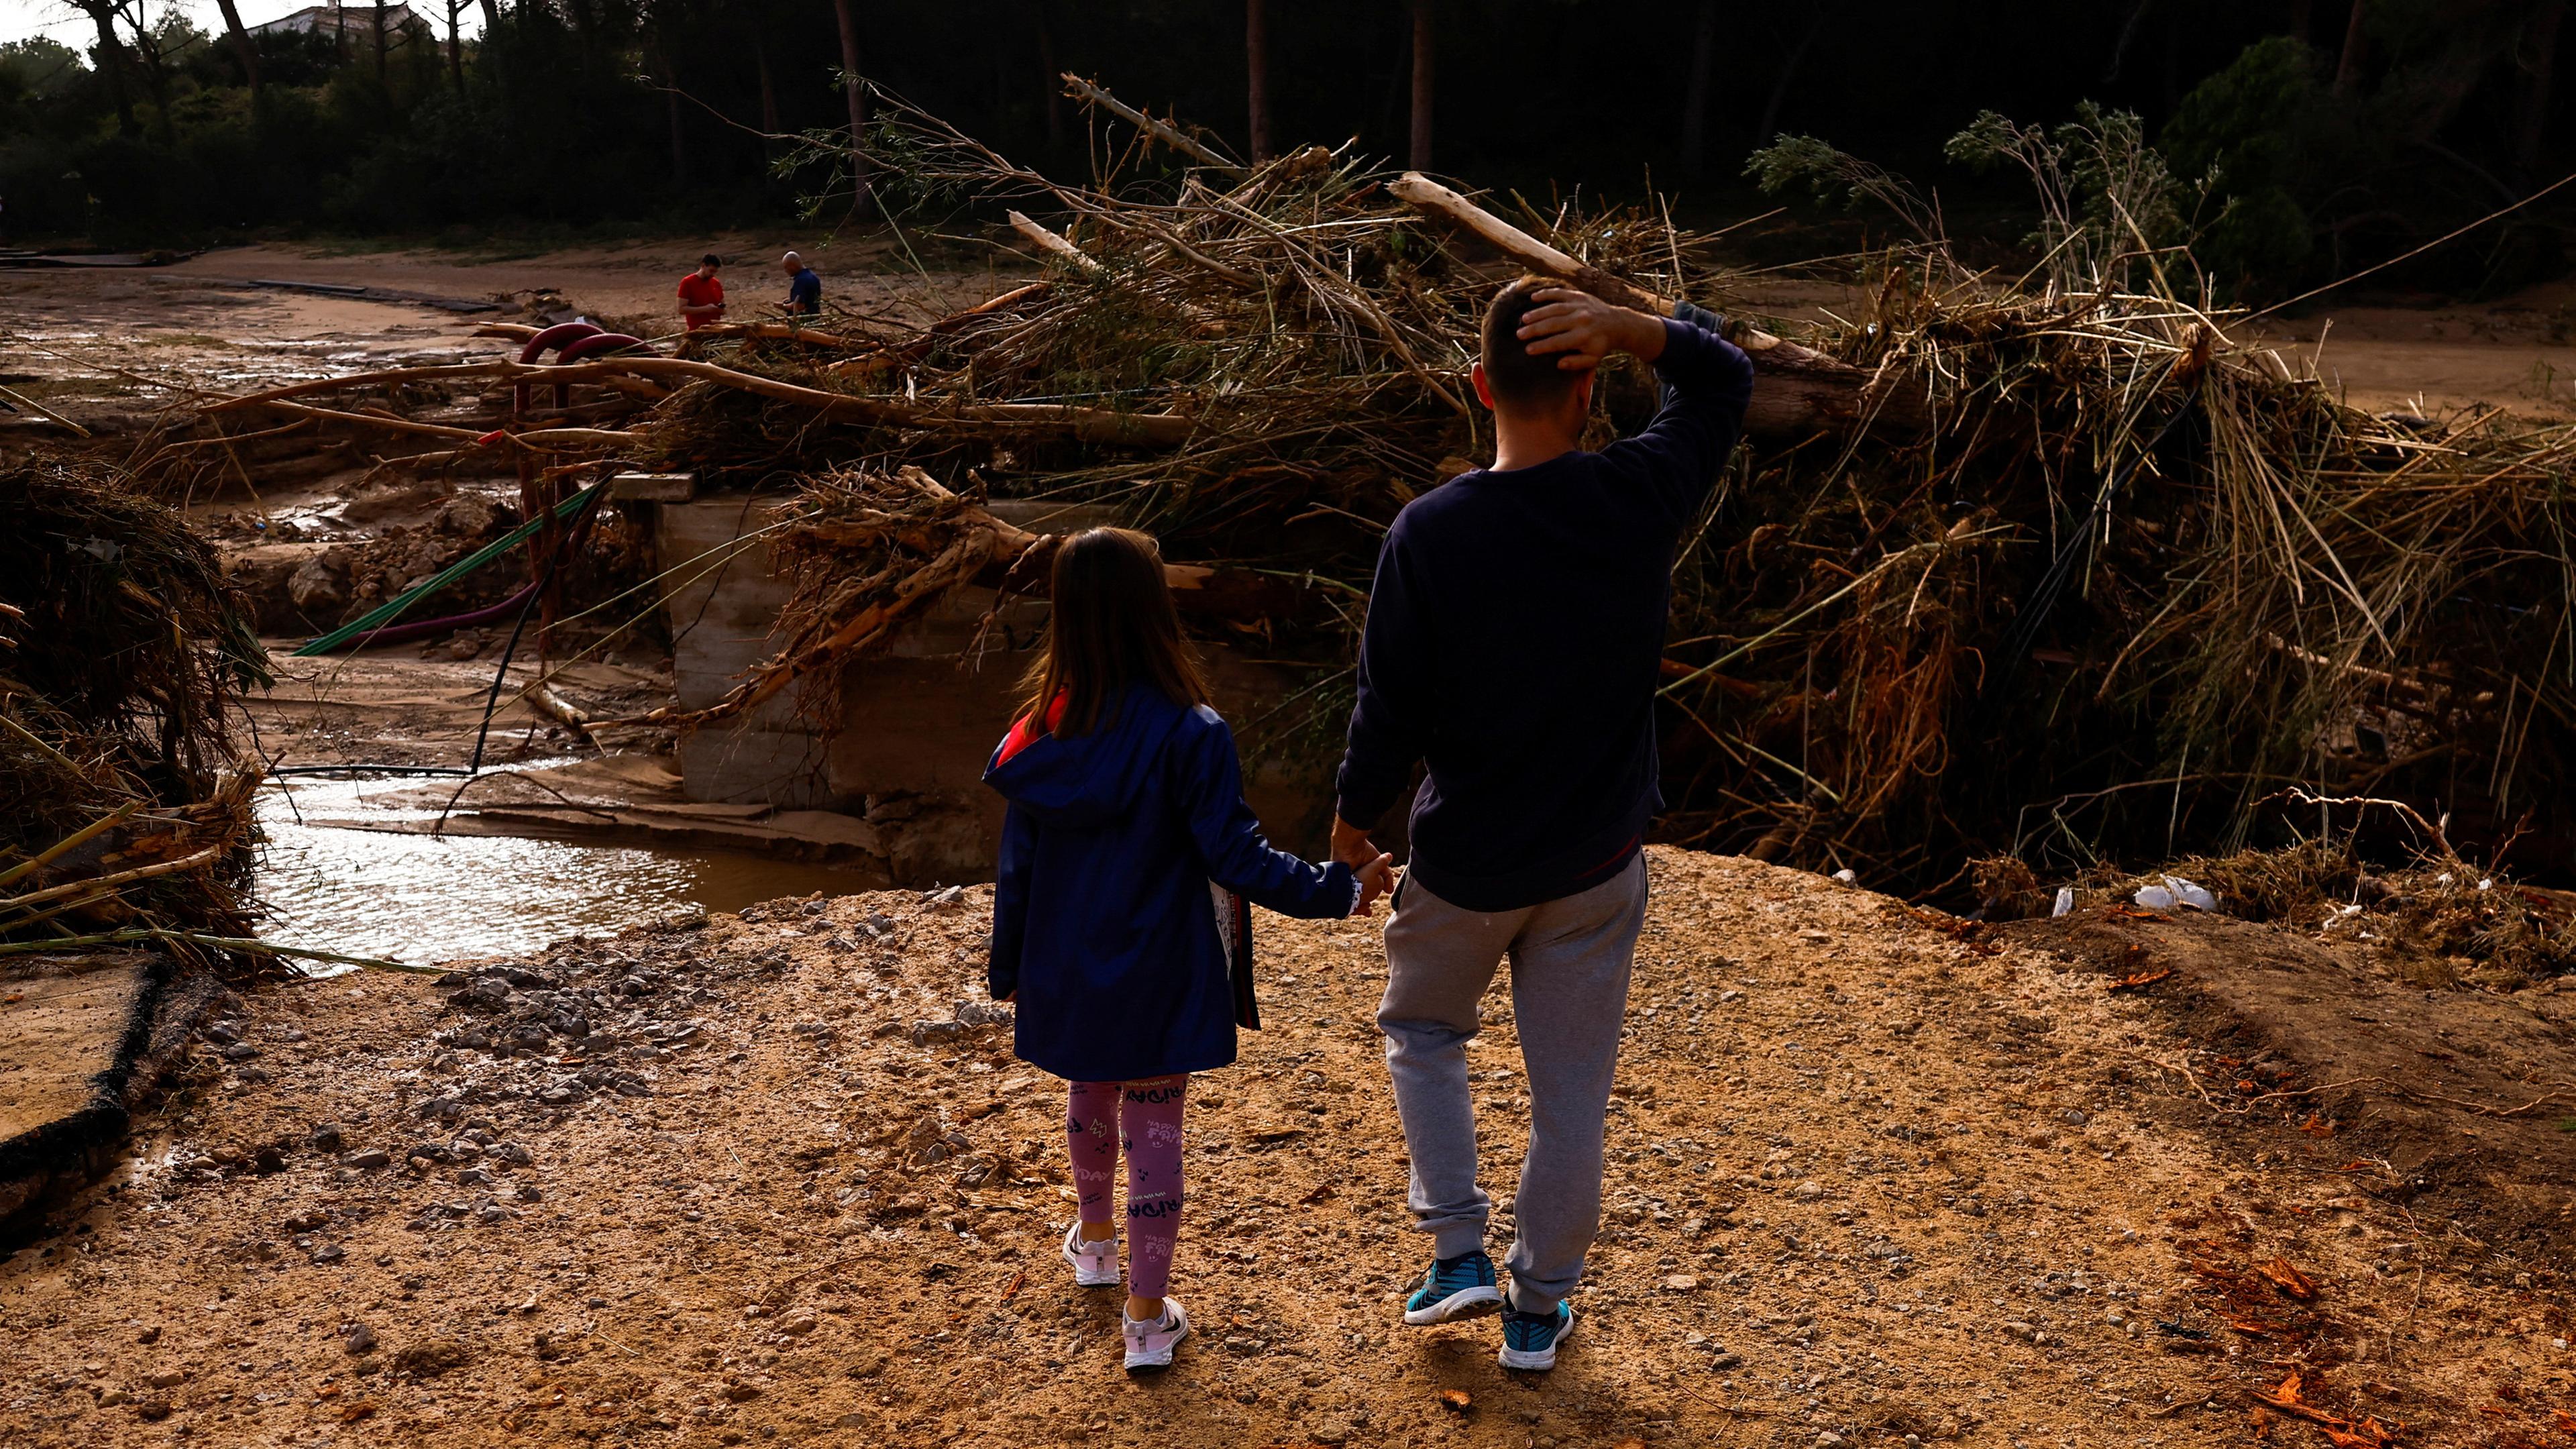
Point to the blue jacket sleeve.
(1010, 902)
(1208, 784)
(1395, 668)
(1707, 384)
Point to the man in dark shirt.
(1514, 644)
(804, 289)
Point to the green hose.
(393, 608)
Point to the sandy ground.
(1874, 1181)
(105, 344)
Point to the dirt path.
(1872, 1183)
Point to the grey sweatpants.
(1570, 961)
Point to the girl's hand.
(1376, 879)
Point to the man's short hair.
(1517, 378)
(711, 260)
(797, 257)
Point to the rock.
(512, 1153)
(798, 1324)
(1808, 1190)
(320, 587)
(492, 1215)
(328, 1254)
(360, 1342)
(305, 1221)
(114, 1397)
(1329, 1431)
(371, 1158)
(154, 1409)
(149, 1334)
(222, 1033)
(432, 1358)
(1682, 1283)
(241, 1051)
(166, 1379)
(268, 1160)
(474, 1177)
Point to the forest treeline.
(2307, 137)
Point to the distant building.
(343, 21)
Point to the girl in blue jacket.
(1119, 922)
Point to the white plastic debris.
(2175, 892)
(2443, 879)
(1847, 876)
(2065, 900)
(2488, 884)
(2196, 897)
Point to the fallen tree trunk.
(775, 332)
(1095, 425)
(1052, 243)
(1802, 392)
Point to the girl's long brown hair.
(1112, 625)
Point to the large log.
(1801, 391)
(1095, 425)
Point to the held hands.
(1374, 867)
(1376, 879)
(1583, 329)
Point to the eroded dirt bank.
(767, 1180)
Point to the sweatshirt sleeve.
(1707, 384)
(1210, 789)
(1386, 738)
(1010, 902)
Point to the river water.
(420, 899)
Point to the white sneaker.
(1095, 1265)
(1150, 1345)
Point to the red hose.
(562, 334)
(587, 348)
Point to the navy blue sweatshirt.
(1514, 643)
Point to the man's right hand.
(1581, 329)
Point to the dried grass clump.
(125, 806)
(2449, 921)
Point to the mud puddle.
(426, 898)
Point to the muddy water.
(422, 898)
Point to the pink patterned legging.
(1144, 1118)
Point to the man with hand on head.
(804, 289)
(1513, 646)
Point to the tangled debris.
(125, 805)
(2050, 566)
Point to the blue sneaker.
(1455, 1288)
(1530, 1339)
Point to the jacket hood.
(1087, 779)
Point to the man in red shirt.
(701, 295)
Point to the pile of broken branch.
(2049, 565)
